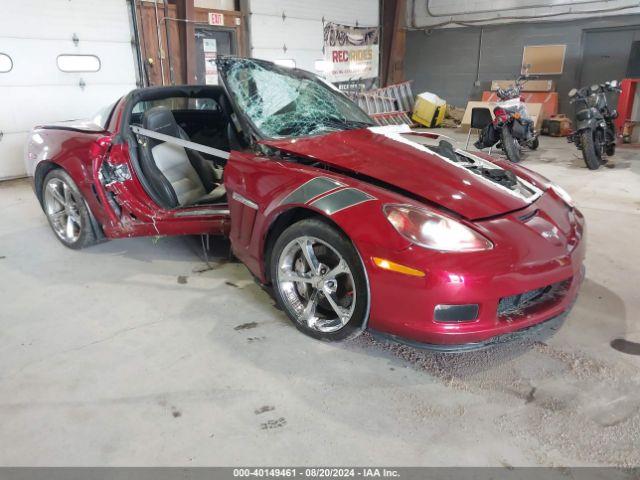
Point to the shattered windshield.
(282, 103)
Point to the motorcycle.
(595, 132)
(512, 128)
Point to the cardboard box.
(548, 100)
(529, 86)
(534, 110)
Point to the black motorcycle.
(595, 133)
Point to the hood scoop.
(503, 177)
(486, 169)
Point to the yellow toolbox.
(429, 109)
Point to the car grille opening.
(515, 306)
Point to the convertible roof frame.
(158, 93)
(126, 134)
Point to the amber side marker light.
(396, 267)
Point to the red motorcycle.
(512, 128)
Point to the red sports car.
(355, 226)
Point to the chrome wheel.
(316, 284)
(61, 206)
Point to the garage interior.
(166, 351)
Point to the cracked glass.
(280, 102)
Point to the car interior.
(173, 175)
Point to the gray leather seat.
(178, 176)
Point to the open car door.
(127, 192)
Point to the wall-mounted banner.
(351, 56)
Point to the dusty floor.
(128, 354)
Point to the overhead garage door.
(292, 30)
(89, 39)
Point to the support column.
(188, 39)
(393, 40)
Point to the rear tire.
(510, 145)
(534, 144)
(66, 210)
(331, 301)
(592, 158)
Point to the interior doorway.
(210, 42)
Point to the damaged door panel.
(134, 213)
(114, 173)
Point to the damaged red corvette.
(355, 226)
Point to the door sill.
(202, 211)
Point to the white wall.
(35, 92)
(457, 10)
(299, 35)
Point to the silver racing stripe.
(311, 189)
(345, 198)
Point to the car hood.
(400, 158)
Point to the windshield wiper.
(345, 124)
(360, 124)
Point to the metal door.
(606, 54)
(210, 42)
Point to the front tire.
(319, 281)
(590, 151)
(610, 150)
(66, 210)
(510, 145)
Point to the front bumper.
(536, 333)
(525, 258)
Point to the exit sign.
(216, 19)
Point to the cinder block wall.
(444, 61)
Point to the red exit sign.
(216, 19)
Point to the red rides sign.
(351, 54)
(341, 56)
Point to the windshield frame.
(225, 62)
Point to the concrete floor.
(127, 353)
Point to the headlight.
(562, 193)
(431, 230)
